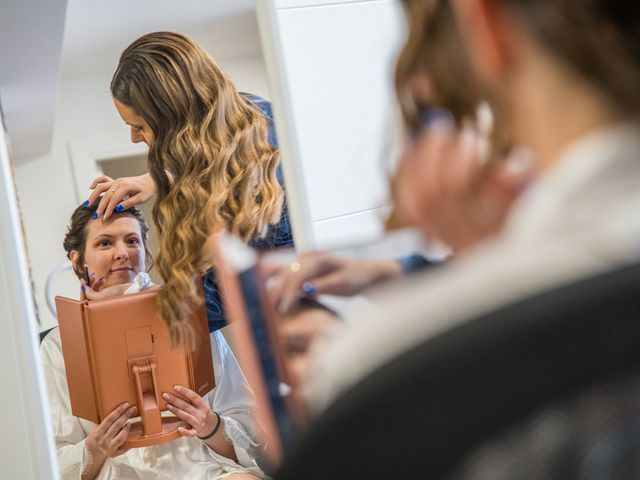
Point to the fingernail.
(177, 388)
(165, 396)
(86, 204)
(436, 115)
(485, 120)
(104, 217)
(101, 279)
(84, 289)
(469, 137)
(94, 216)
(520, 160)
(309, 289)
(119, 208)
(434, 118)
(125, 404)
(92, 274)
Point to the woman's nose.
(136, 137)
(121, 252)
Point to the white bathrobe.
(581, 218)
(184, 458)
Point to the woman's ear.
(74, 256)
(488, 35)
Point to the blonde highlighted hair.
(213, 142)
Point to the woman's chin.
(118, 278)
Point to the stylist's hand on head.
(315, 273)
(121, 193)
(445, 186)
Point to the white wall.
(331, 66)
(50, 187)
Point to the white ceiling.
(38, 48)
(97, 30)
(30, 48)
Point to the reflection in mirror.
(171, 119)
(90, 140)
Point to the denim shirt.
(278, 235)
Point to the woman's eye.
(134, 241)
(103, 243)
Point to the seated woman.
(114, 252)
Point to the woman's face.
(140, 130)
(113, 250)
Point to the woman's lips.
(123, 269)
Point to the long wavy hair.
(213, 143)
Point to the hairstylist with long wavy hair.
(213, 164)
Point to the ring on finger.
(295, 266)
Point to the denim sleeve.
(265, 107)
(277, 236)
(213, 301)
